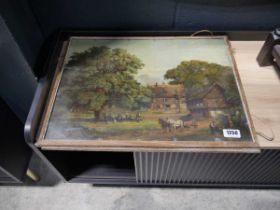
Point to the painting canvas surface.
(153, 88)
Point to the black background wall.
(17, 82)
(32, 21)
(157, 14)
(14, 153)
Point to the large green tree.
(103, 77)
(196, 75)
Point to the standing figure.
(138, 117)
(213, 128)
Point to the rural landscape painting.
(150, 89)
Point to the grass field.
(148, 129)
(83, 126)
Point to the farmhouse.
(168, 98)
(208, 102)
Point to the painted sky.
(161, 54)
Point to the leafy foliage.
(196, 75)
(105, 77)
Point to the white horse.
(176, 123)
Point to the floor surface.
(51, 194)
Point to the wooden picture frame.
(232, 145)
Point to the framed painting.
(139, 93)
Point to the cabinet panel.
(207, 168)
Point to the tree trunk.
(97, 115)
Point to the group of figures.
(110, 118)
(216, 127)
